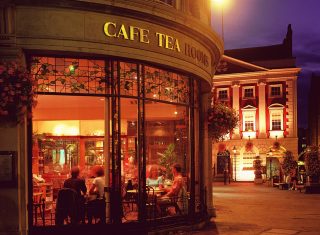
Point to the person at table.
(79, 186)
(178, 184)
(176, 194)
(154, 180)
(96, 204)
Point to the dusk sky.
(251, 23)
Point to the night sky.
(251, 23)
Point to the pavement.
(249, 209)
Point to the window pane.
(223, 94)
(275, 91)
(68, 131)
(248, 92)
(167, 143)
(69, 75)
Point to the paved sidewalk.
(245, 208)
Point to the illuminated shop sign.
(141, 35)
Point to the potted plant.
(312, 164)
(288, 165)
(168, 158)
(257, 170)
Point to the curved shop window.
(123, 126)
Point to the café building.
(120, 85)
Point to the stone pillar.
(207, 153)
(262, 110)
(236, 106)
(13, 200)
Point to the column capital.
(235, 84)
(262, 82)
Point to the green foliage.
(288, 163)
(17, 95)
(168, 158)
(257, 168)
(312, 162)
(221, 121)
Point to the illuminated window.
(222, 93)
(249, 120)
(275, 90)
(276, 121)
(276, 117)
(248, 92)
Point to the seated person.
(154, 180)
(176, 195)
(79, 186)
(96, 203)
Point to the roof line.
(243, 63)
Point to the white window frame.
(276, 109)
(275, 85)
(223, 89)
(249, 110)
(253, 115)
(248, 87)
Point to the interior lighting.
(72, 69)
(175, 112)
(154, 95)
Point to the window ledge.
(276, 134)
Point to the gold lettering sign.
(141, 35)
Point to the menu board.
(7, 173)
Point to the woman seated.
(97, 204)
(154, 180)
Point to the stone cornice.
(145, 11)
(279, 74)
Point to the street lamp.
(235, 162)
(221, 3)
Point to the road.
(246, 208)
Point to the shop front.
(119, 93)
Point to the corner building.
(122, 85)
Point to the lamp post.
(270, 156)
(235, 162)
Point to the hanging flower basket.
(276, 145)
(221, 121)
(222, 147)
(249, 146)
(17, 96)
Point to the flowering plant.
(221, 120)
(16, 91)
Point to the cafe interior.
(84, 121)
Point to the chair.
(38, 207)
(96, 209)
(151, 203)
(67, 206)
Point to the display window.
(120, 136)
